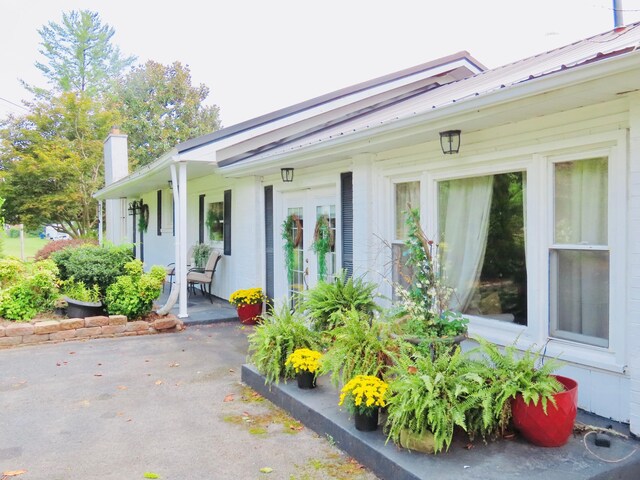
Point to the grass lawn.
(11, 246)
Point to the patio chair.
(171, 267)
(204, 278)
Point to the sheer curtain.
(463, 234)
(582, 276)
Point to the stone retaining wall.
(50, 331)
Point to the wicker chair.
(204, 278)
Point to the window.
(481, 224)
(579, 256)
(407, 195)
(215, 221)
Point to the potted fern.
(542, 405)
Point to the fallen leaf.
(293, 426)
(97, 374)
(231, 370)
(58, 364)
(469, 446)
(122, 387)
(412, 370)
(151, 475)
(72, 353)
(174, 365)
(228, 398)
(158, 382)
(13, 473)
(266, 470)
(99, 364)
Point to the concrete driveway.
(169, 404)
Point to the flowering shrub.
(363, 393)
(249, 296)
(303, 359)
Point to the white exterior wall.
(633, 262)
(606, 386)
(116, 166)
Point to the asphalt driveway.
(170, 405)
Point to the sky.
(257, 56)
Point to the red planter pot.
(553, 429)
(248, 314)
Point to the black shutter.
(346, 211)
(227, 222)
(268, 242)
(159, 213)
(201, 218)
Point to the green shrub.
(133, 294)
(11, 270)
(275, 338)
(14, 233)
(92, 264)
(328, 300)
(79, 291)
(35, 292)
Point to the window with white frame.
(406, 195)
(481, 224)
(579, 255)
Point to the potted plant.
(248, 303)
(278, 335)
(201, 252)
(305, 362)
(542, 406)
(363, 396)
(82, 301)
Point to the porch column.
(181, 232)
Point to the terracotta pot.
(248, 314)
(306, 380)
(554, 428)
(367, 422)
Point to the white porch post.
(182, 237)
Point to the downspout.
(175, 286)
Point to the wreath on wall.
(323, 242)
(291, 224)
(143, 221)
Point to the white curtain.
(582, 292)
(463, 235)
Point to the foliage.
(33, 292)
(289, 226)
(79, 53)
(248, 296)
(322, 243)
(53, 163)
(161, 108)
(79, 291)
(55, 246)
(214, 218)
(143, 218)
(363, 393)
(133, 294)
(327, 301)
(435, 395)
(304, 359)
(277, 337)
(93, 264)
(11, 269)
(424, 305)
(201, 252)
(511, 372)
(359, 346)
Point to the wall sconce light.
(286, 174)
(450, 141)
(170, 182)
(135, 206)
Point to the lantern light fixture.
(450, 141)
(286, 174)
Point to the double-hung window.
(406, 195)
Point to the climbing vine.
(323, 241)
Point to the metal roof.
(594, 49)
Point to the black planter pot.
(306, 380)
(78, 309)
(367, 422)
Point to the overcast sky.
(260, 55)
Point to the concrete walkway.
(169, 404)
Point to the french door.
(310, 217)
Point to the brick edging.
(53, 331)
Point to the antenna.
(618, 22)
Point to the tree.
(79, 53)
(161, 108)
(52, 163)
